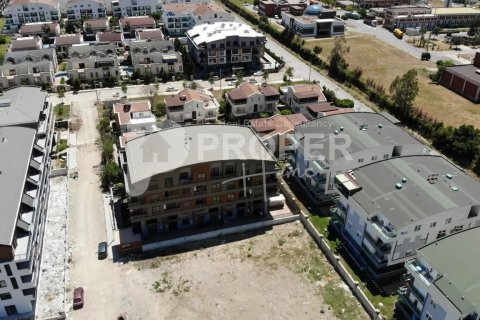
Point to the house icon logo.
(166, 147)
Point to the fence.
(218, 233)
(338, 265)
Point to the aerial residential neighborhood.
(225, 159)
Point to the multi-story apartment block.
(191, 106)
(35, 67)
(19, 12)
(442, 282)
(64, 42)
(86, 9)
(26, 138)
(271, 8)
(315, 21)
(273, 131)
(129, 8)
(248, 100)
(196, 175)
(388, 209)
(48, 30)
(134, 116)
(93, 62)
(300, 97)
(227, 46)
(27, 43)
(156, 57)
(179, 18)
(324, 147)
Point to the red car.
(78, 298)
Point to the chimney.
(126, 107)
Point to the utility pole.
(220, 77)
(310, 71)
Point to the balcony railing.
(379, 246)
(415, 267)
(416, 293)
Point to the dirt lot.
(367, 52)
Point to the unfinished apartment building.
(196, 175)
(26, 138)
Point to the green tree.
(211, 78)
(223, 106)
(124, 89)
(317, 50)
(160, 109)
(156, 85)
(240, 77)
(474, 28)
(265, 76)
(61, 93)
(110, 174)
(285, 112)
(337, 62)
(404, 90)
(70, 26)
(46, 29)
(157, 16)
(76, 84)
(193, 85)
(436, 31)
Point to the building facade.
(19, 12)
(249, 100)
(26, 43)
(437, 286)
(315, 21)
(205, 185)
(35, 67)
(191, 106)
(129, 8)
(86, 9)
(156, 57)
(39, 29)
(387, 210)
(93, 62)
(64, 42)
(179, 18)
(26, 128)
(226, 46)
(463, 79)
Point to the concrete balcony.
(419, 271)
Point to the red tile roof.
(138, 21)
(321, 107)
(296, 118)
(68, 39)
(123, 117)
(248, 89)
(109, 36)
(150, 34)
(30, 28)
(276, 124)
(97, 23)
(309, 91)
(186, 95)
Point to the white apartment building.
(324, 147)
(178, 18)
(34, 67)
(26, 128)
(191, 106)
(129, 8)
(300, 97)
(134, 116)
(87, 9)
(249, 100)
(443, 281)
(19, 12)
(156, 57)
(93, 62)
(226, 45)
(388, 209)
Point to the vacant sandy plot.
(382, 63)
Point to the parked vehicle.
(398, 33)
(231, 78)
(78, 298)
(276, 202)
(102, 250)
(170, 89)
(353, 15)
(258, 73)
(232, 83)
(252, 80)
(216, 78)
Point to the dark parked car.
(78, 298)
(102, 250)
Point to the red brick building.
(464, 79)
(270, 8)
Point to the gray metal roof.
(456, 259)
(468, 72)
(169, 149)
(340, 128)
(21, 105)
(420, 196)
(15, 152)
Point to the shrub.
(285, 112)
(344, 103)
(344, 17)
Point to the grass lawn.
(4, 47)
(382, 63)
(61, 111)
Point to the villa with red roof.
(249, 100)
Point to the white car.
(170, 89)
(258, 73)
(232, 83)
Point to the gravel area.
(51, 290)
